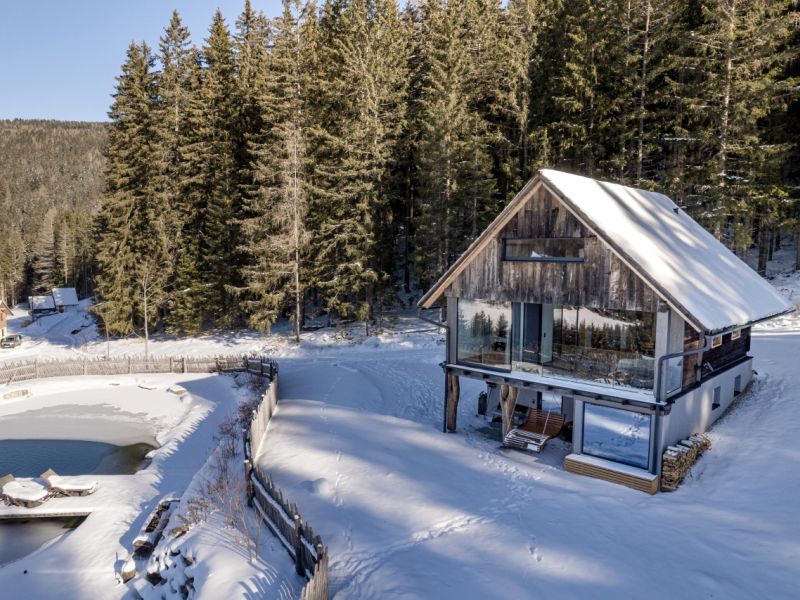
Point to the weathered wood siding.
(601, 281)
(691, 341)
(729, 352)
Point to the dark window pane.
(544, 249)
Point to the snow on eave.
(433, 295)
(44, 302)
(65, 296)
(684, 264)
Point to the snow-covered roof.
(686, 265)
(41, 303)
(65, 296)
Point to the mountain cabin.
(604, 314)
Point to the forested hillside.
(328, 158)
(51, 178)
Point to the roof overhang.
(435, 294)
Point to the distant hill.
(48, 164)
(51, 179)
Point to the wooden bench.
(538, 428)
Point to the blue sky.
(59, 58)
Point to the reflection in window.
(484, 329)
(615, 434)
(613, 346)
(544, 249)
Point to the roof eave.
(433, 295)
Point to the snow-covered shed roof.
(41, 303)
(65, 296)
(686, 265)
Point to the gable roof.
(686, 265)
(41, 303)
(65, 296)
(5, 309)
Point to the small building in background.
(41, 305)
(65, 299)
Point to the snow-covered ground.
(128, 409)
(409, 512)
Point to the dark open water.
(31, 458)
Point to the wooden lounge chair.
(68, 486)
(24, 492)
(537, 429)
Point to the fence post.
(130, 366)
(298, 546)
(36, 369)
(248, 477)
(84, 366)
(184, 364)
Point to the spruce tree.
(456, 190)
(275, 231)
(359, 116)
(43, 251)
(133, 244)
(220, 235)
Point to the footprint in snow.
(533, 549)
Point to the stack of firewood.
(678, 459)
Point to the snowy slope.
(409, 512)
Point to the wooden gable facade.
(601, 280)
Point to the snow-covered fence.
(280, 515)
(24, 371)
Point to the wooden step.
(608, 471)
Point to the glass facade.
(615, 347)
(615, 434)
(610, 346)
(484, 330)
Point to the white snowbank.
(409, 512)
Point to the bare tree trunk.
(297, 291)
(643, 92)
(763, 252)
(146, 329)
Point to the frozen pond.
(31, 458)
(19, 537)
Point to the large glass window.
(612, 346)
(544, 249)
(615, 434)
(484, 331)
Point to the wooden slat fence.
(281, 515)
(25, 371)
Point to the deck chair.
(534, 433)
(68, 486)
(25, 493)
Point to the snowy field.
(409, 512)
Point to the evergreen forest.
(335, 160)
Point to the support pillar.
(508, 402)
(451, 405)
